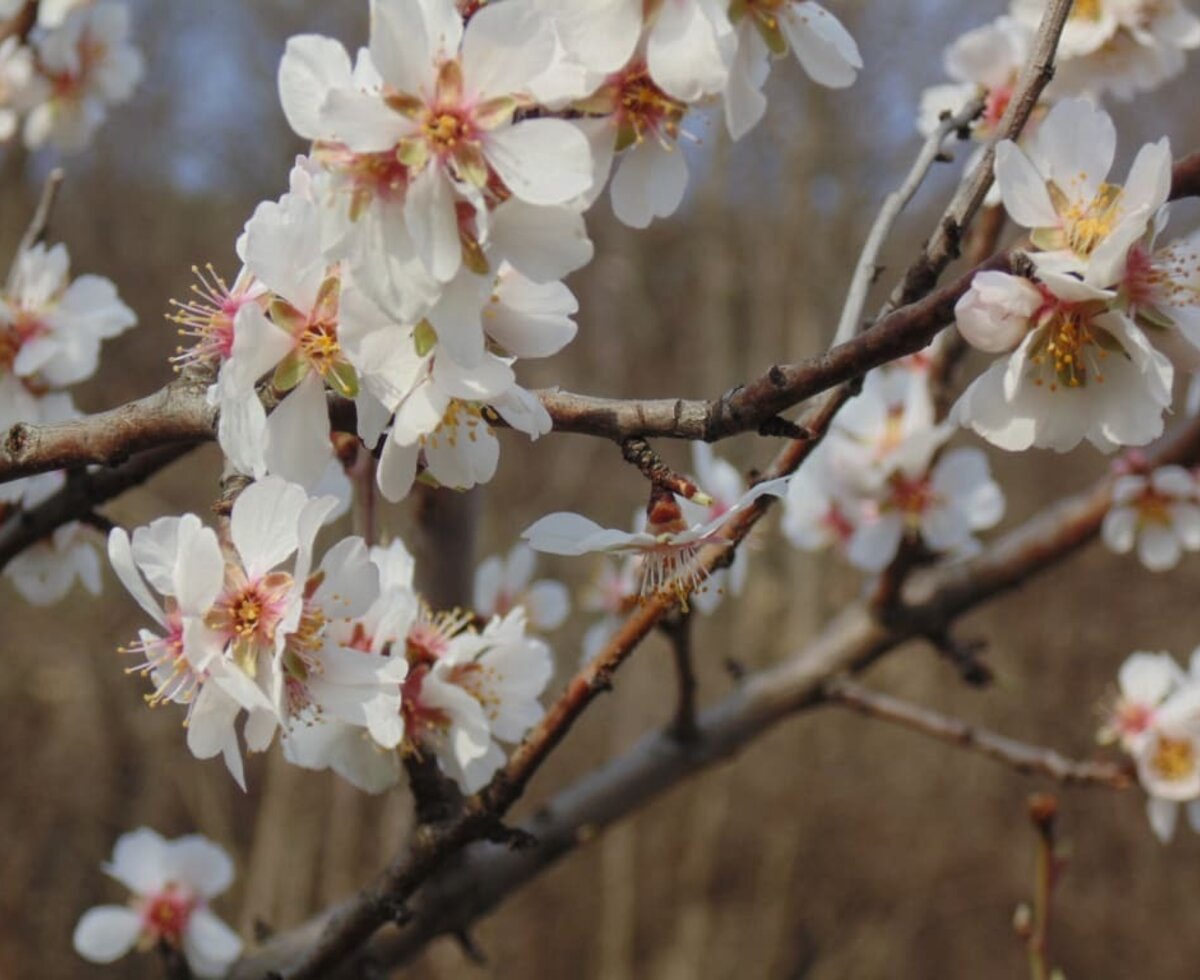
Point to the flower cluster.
(419, 251)
(1156, 512)
(56, 85)
(344, 658)
(172, 882)
(1092, 330)
(1155, 718)
(877, 480)
(51, 329)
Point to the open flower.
(669, 548)
(1158, 513)
(85, 64)
(1057, 187)
(1083, 371)
(501, 584)
(172, 882)
(941, 506)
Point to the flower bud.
(996, 312)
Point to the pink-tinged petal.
(397, 469)
(429, 209)
(312, 66)
(822, 45)
(298, 446)
(263, 525)
(650, 183)
(106, 933)
(542, 161)
(504, 48)
(209, 944)
(120, 556)
(1023, 188)
(198, 862)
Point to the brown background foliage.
(836, 847)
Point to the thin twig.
(868, 269)
(943, 245)
(1034, 926)
(38, 224)
(678, 630)
(1019, 755)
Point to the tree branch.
(1022, 757)
(867, 269)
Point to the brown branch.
(178, 411)
(81, 494)
(848, 644)
(944, 245)
(22, 23)
(932, 600)
(678, 630)
(38, 224)
(1022, 757)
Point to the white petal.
(264, 522)
(542, 161)
(198, 862)
(1023, 188)
(312, 65)
(209, 944)
(649, 183)
(106, 933)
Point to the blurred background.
(837, 847)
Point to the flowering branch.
(1022, 757)
(944, 245)
(850, 643)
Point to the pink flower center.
(165, 915)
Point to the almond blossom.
(1119, 46)
(1083, 370)
(669, 547)
(51, 327)
(16, 71)
(1161, 288)
(1156, 719)
(442, 109)
(501, 583)
(724, 486)
(172, 883)
(941, 504)
(1057, 187)
(85, 64)
(766, 28)
(1158, 513)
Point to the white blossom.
(172, 883)
(1157, 513)
(502, 583)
